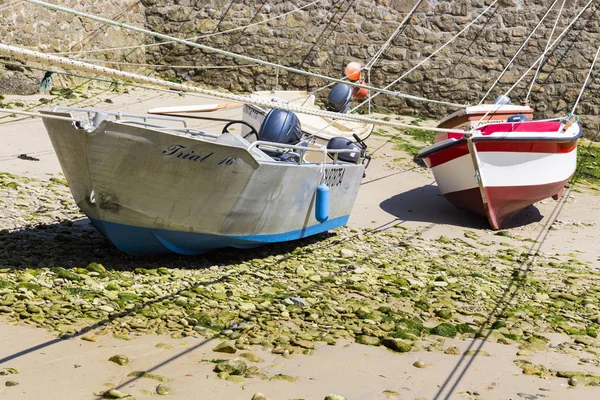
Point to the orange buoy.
(358, 92)
(352, 71)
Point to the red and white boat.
(498, 169)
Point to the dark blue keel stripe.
(140, 241)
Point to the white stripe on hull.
(455, 175)
(505, 169)
(526, 169)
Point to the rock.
(95, 267)
(283, 377)
(584, 380)
(148, 375)
(247, 307)
(346, 253)
(163, 390)
(8, 371)
(119, 359)
(368, 340)
(420, 364)
(391, 394)
(398, 345)
(476, 353)
(116, 394)
(225, 347)
(259, 396)
(532, 370)
(444, 313)
(235, 366)
(251, 357)
(334, 397)
(11, 383)
(305, 344)
(444, 329)
(452, 350)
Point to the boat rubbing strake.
(499, 169)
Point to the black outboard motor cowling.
(342, 143)
(280, 126)
(339, 98)
(516, 118)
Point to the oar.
(194, 108)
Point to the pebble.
(163, 390)
(334, 397)
(119, 359)
(259, 396)
(225, 347)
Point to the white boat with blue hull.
(152, 188)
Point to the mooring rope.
(383, 48)
(233, 55)
(190, 38)
(167, 66)
(586, 80)
(517, 53)
(67, 63)
(545, 50)
(38, 115)
(392, 37)
(428, 58)
(564, 32)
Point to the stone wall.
(323, 38)
(35, 27)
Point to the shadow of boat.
(78, 243)
(426, 204)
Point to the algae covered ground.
(388, 287)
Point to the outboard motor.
(516, 118)
(502, 100)
(339, 98)
(280, 126)
(342, 143)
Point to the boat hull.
(514, 171)
(153, 192)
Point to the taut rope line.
(68, 63)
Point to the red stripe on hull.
(447, 154)
(527, 147)
(503, 201)
(503, 145)
(527, 126)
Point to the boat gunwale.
(448, 143)
(209, 138)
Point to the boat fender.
(360, 93)
(352, 71)
(280, 126)
(342, 143)
(339, 98)
(322, 203)
(516, 118)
